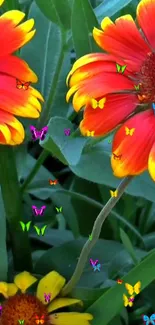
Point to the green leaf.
(128, 245)
(100, 171)
(83, 22)
(65, 148)
(101, 308)
(57, 11)
(109, 8)
(3, 250)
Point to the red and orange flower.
(112, 97)
(14, 101)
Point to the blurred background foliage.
(82, 166)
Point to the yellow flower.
(32, 309)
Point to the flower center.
(24, 309)
(146, 78)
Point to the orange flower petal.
(20, 102)
(97, 86)
(102, 121)
(11, 130)
(122, 39)
(14, 37)
(145, 17)
(18, 68)
(151, 162)
(135, 149)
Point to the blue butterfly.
(149, 320)
(97, 267)
(153, 106)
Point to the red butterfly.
(22, 85)
(51, 182)
(40, 320)
(119, 281)
(117, 157)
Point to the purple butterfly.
(67, 132)
(38, 134)
(47, 297)
(37, 211)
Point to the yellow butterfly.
(90, 133)
(113, 193)
(131, 289)
(129, 131)
(128, 301)
(99, 103)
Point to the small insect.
(117, 157)
(127, 301)
(114, 193)
(59, 210)
(149, 320)
(119, 281)
(47, 297)
(99, 103)
(120, 68)
(53, 182)
(40, 231)
(22, 85)
(21, 321)
(39, 320)
(37, 211)
(133, 289)
(90, 133)
(129, 131)
(38, 134)
(25, 226)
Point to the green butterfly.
(21, 321)
(120, 68)
(25, 226)
(137, 87)
(40, 231)
(59, 209)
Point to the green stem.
(34, 170)
(95, 236)
(13, 208)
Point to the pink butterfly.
(37, 211)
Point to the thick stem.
(13, 208)
(95, 236)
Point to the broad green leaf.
(100, 171)
(65, 148)
(57, 11)
(87, 295)
(111, 303)
(109, 8)
(128, 245)
(83, 22)
(3, 249)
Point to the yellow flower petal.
(70, 319)
(62, 302)
(12, 289)
(51, 283)
(1, 2)
(4, 289)
(15, 16)
(24, 280)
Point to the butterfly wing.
(37, 230)
(115, 193)
(42, 209)
(127, 130)
(43, 230)
(26, 85)
(19, 84)
(22, 225)
(152, 319)
(94, 103)
(102, 102)
(125, 299)
(112, 193)
(33, 132)
(146, 319)
(137, 287)
(118, 67)
(129, 288)
(132, 131)
(35, 210)
(44, 131)
(60, 210)
(28, 225)
(123, 68)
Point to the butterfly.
(90, 133)
(67, 132)
(129, 131)
(117, 157)
(127, 301)
(37, 211)
(38, 134)
(40, 320)
(113, 193)
(131, 289)
(21, 321)
(119, 281)
(90, 237)
(93, 262)
(25, 226)
(40, 231)
(137, 87)
(149, 320)
(120, 68)
(99, 103)
(96, 267)
(22, 85)
(51, 182)
(47, 297)
(58, 209)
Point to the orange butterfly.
(51, 182)
(40, 320)
(117, 157)
(22, 85)
(119, 281)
